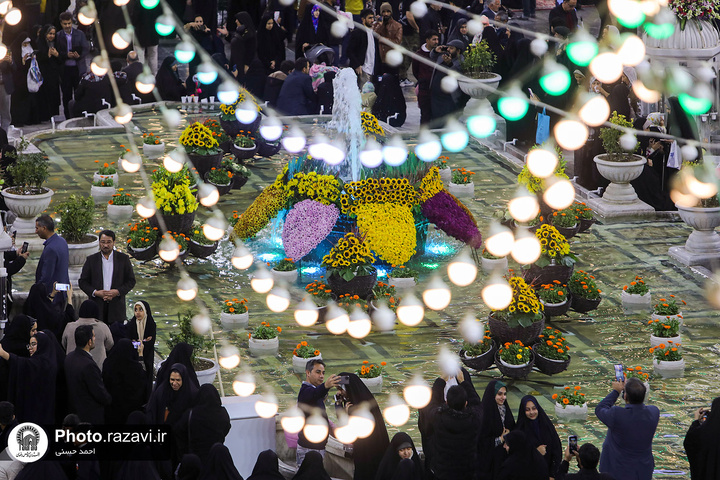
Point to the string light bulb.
(632, 51)
(174, 161)
(131, 163)
(208, 194)
(306, 313)
(418, 8)
(271, 128)
(395, 152)
(359, 324)
(185, 52)
(86, 16)
(482, 124)
(514, 104)
(123, 113)
(295, 140)
(187, 288)
(99, 66)
(344, 433)
(428, 148)
(606, 67)
(227, 92)
(645, 94)
(362, 421)
(582, 48)
(246, 112)
(336, 319)
(13, 16)
(165, 25)
(437, 295)
(206, 73)
(542, 162)
(497, 293)
(244, 384)
(145, 83)
(595, 110)
(554, 78)
(201, 323)
(526, 248)
(293, 420)
(500, 240)
(122, 38)
(145, 207)
(410, 311)
(229, 357)
(120, 3)
(455, 138)
(371, 154)
(397, 413)
(383, 317)
(215, 227)
(242, 258)
(278, 300)
(5, 5)
(262, 280)
(559, 193)
(149, 4)
(472, 330)
(571, 134)
(168, 249)
(462, 270)
(3, 50)
(417, 393)
(266, 406)
(524, 206)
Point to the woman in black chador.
(540, 432)
(701, 443)
(497, 421)
(401, 460)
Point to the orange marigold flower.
(383, 363)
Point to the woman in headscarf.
(326, 93)
(266, 467)
(681, 125)
(401, 450)
(181, 353)
(167, 80)
(312, 468)
(255, 79)
(23, 105)
(367, 452)
(460, 32)
(50, 65)
(220, 465)
(139, 465)
(31, 385)
(307, 33)
(205, 424)
(540, 432)
(125, 380)
(271, 43)
(190, 467)
(523, 461)
(525, 128)
(17, 335)
(243, 42)
(141, 327)
(91, 92)
(50, 316)
(701, 443)
(497, 421)
(172, 398)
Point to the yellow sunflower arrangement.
(199, 140)
(227, 111)
(431, 184)
(389, 230)
(265, 207)
(348, 258)
(370, 125)
(172, 192)
(322, 188)
(377, 190)
(524, 309)
(553, 247)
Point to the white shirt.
(107, 270)
(369, 65)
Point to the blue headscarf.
(312, 15)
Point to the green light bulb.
(582, 48)
(514, 106)
(631, 18)
(659, 31)
(556, 82)
(481, 126)
(149, 3)
(164, 25)
(694, 105)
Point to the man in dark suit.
(107, 276)
(588, 457)
(54, 261)
(297, 96)
(363, 50)
(627, 449)
(73, 47)
(86, 392)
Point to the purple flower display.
(442, 210)
(306, 225)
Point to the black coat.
(169, 85)
(169, 406)
(390, 463)
(17, 336)
(307, 33)
(524, 462)
(131, 331)
(297, 96)
(204, 425)
(87, 394)
(270, 44)
(123, 279)
(357, 49)
(491, 456)
(90, 94)
(582, 474)
(125, 380)
(181, 353)
(541, 431)
(701, 445)
(266, 467)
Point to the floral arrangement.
(370, 124)
(667, 353)
(303, 350)
(430, 184)
(553, 246)
(262, 210)
(370, 370)
(636, 372)
(104, 182)
(233, 218)
(514, 353)
(636, 287)
(172, 192)
(265, 332)
(583, 285)
(555, 292)
(244, 140)
(667, 328)
(570, 396)
(486, 254)
(141, 235)
(401, 271)
(199, 140)
(691, 9)
(234, 306)
(319, 292)
(389, 230)
(348, 258)
(197, 235)
(306, 225)
(524, 309)
(236, 168)
(312, 186)
(348, 302)
(566, 218)
(285, 265)
(441, 162)
(151, 139)
(180, 238)
(217, 130)
(107, 168)
(461, 176)
(552, 345)
(227, 111)
(219, 176)
(666, 307)
(121, 198)
(536, 184)
(478, 348)
(445, 212)
(582, 211)
(384, 291)
(373, 191)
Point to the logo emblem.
(27, 442)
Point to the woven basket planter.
(549, 366)
(583, 305)
(481, 362)
(503, 334)
(519, 371)
(556, 309)
(537, 276)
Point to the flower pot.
(222, 189)
(154, 151)
(97, 177)
(234, 320)
(120, 213)
(445, 174)
(207, 376)
(514, 371)
(703, 239)
(226, 146)
(545, 209)
(239, 181)
(78, 253)
(635, 303)
(503, 334)
(583, 305)
(673, 369)
(262, 348)
(491, 264)
(481, 362)
(101, 194)
(360, 285)
(537, 276)
(655, 341)
(462, 189)
(566, 413)
(568, 232)
(201, 251)
(549, 366)
(556, 309)
(175, 223)
(662, 318)
(143, 254)
(373, 384)
(473, 87)
(267, 149)
(27, 208)
(620, 174)
(243, 153)
(231, 127)
(585, 224)
(299, 363)
(288, 277)
(401, 283)
(204, 163)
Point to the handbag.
(543, 128)
(34, 76)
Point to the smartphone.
(619, 373)
(530, 92)
(344, 380)
(705, 415)
(572, 441)
(62, 287)
(136, 344)
(24, 247)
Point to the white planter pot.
(620, 174)
(674, 369)
(635, 300)
(287, 277)
(663, 318)
(78, 253)
(571, 412)
(101, 194)
(697, 35)
(260, 348)
(510, 365)
(120, 213)
(647, 391)
(27, 208)
(373, 384)
(655, 341)
(473, 87)
(207, 376)
(401, 283)
(491, 264)
(445, 174)
(115, 178)
(703, 239)
(234, 320)
(462, 189)
(299, 363)
(153, 151)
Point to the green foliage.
(197, 235)
(285, 265)
(104, 182)
(244, 140)
(29, 173)
(611, 140)
(402, 271)
(667, 328)
(76, 218)
(219, 176)
(478, 348)
(265, 332)
(565, 218)
(188, 335)
(583, 285)
(478, 59)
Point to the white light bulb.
(266, 406)
(383, 317)
(335, 152)
(185, 52)
(418, 8)
(526, 248)
(428, 148)
(524, 206)
(208, 194)
(187, 288)
(497, 294)
(606, 67)
(145, 207)
(120, 3)
(455, 138)
(174, 161)
(99, 66)
(437, 295)
(336, 319)
(316, 428)
(306, 313)
(242, 257)
(471, 329)
(201, 323)
(262, 280)
(229, 357)
(395, 152)
(449, 84)
(394, 58)
(121, 39)
(359, 325)
(371, 155)
(244, 384)
(539, 47)
(228, 92)
(559, 193)
(397, 413)
(246, 112)
(3, 50)
(295, 140)
(278, 300)
(571, 134)
(123, 113)
(696, 187)
(632, 52)
(271, 128)
(131, 163)
(417, 393)
(293, 420)
(500, 240)
(339, 28)
(86, 15)
(215, 227)
(362, 421)
(628, 141)
(541, 162)
(318, 146)
(462, 270)
(595, 111)
(171, 118)
(343, 431)
(448, 362)
(410, 311)
(206, 73)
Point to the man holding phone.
(588, 457)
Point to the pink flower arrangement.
(306, 225)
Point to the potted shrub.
(537, 185)
(224, 141)
(285, 270)
(443, 168)
(617, 165)
(555, 298)
(402, 277)
(244, 146)
(240, 173)
(229, 121)
(302, 354)
(27, 198)
(663, 331)
(668, 360)
(142, 241)
(234, 313)
(667, 310)
(478, 61)
(556, 261)
(200, 246)
(461, 183)
(491, 262)
(349, 267)
(514, 359)
(174, 199)
(205, 368)
(551, 352)
(565, 221)
(107, 171)
(201, 147)
(585, 214)
(570, 404)
(636, 295)
(102, 190)
(153, 147)
(522, 320)
(637, 372)
(264, 340)
(120, 206)
(479, 355)
(221, 179)
(320, 295)
(584, 294)
(703, 218)
(76, 219)
(371, 375)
